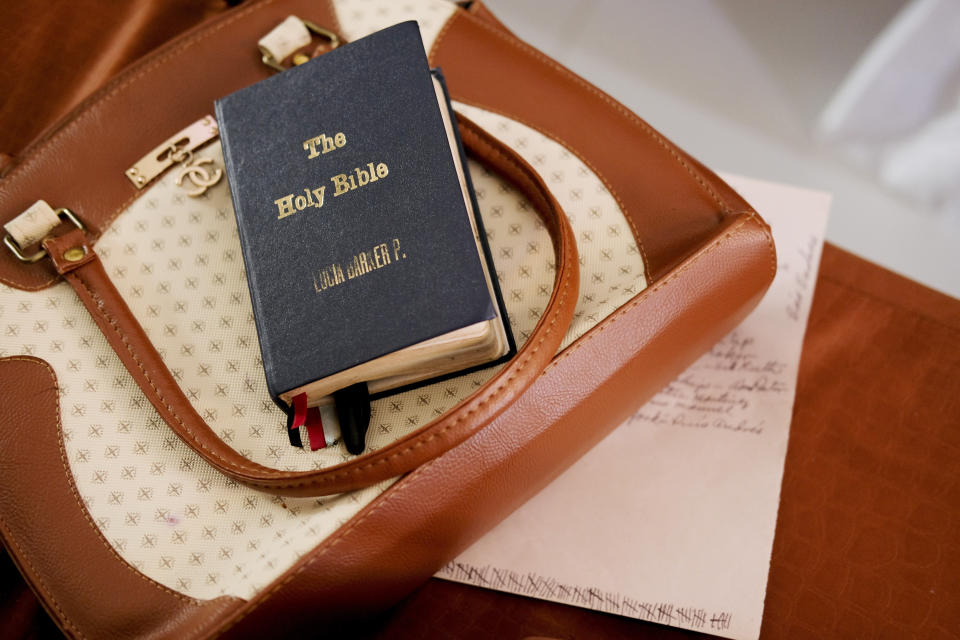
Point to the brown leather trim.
(669, 218)
(57, 248)
(6, 163)
(671, 203)
(140, 357)
(406, 535)
(481, 10)
(423, 520)
(79, 162)
(108, 309)
(57, 53)
(86, 587)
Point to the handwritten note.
(671, 518)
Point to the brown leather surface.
(53, 59)
(681, 183)
(868, 540)
(128, 339)
(419, 523)
(860, 469)
(564, 123)
(57, 248)
(482, 12)
(146, 104)
(668, 216)
(402, 538)
(672, 205)
(51, 537)
(405, 536)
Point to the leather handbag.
(149, 489)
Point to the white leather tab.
(285, 38)
(33, 224)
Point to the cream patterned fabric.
(177, 262)
(611, 268)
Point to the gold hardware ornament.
(64, 214)
(196, 171)
(74, 254)
(271, 61)
(165, 155)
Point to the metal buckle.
(64, 214)
(269, 60)
(171, 151)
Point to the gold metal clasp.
(172, 151)
(192, 168)
(281, 35)
(64, 214)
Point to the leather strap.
(672, 203)
(86, 275)
(466, 38)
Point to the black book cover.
(354, 232)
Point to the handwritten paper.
(671, 518)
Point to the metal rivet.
(300, 58)
(74, 254)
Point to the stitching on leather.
(110, 90)
(619, 313)
(110, 93)
(337, 537)
(323, 478)
(648, 292)
(568, 146)
(86, 514)
(87, 107)
(38, 580)
(765, 230)
(16, 285)
(490, 141)
(431, 55)
(91, 239)
(491, 395)
(616, 106)
(200, 36)
(606, 183)
(328, 544)
(101, 309)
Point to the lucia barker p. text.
(361, 263)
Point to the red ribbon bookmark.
(315, 429)
(299, 411)
(309, 418)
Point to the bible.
(364, 249)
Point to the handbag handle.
(670, 202)
(85, 273)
